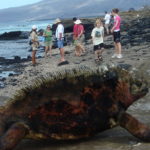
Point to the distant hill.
(48, 9)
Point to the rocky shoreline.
(135, 42)
(136, 57)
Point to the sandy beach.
(136, 57)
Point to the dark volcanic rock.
(2, 59)
(14, 35)
(87, 23)
(138, 28)
(16, 59)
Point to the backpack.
(30, 42)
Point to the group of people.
(97, 35)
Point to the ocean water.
(23, 26)
(11, 48)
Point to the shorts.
(34, 47)
(98, 47)
(80, 41)
(116, 36)
(107, 26)
(48, 43)
(60, 43)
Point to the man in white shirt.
(60, 38)
(107, 21)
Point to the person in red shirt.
(78, 36)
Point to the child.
(116, 34)
(98, 40)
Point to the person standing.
(35, 43)
(78, 36)
(107, 21)
(98, 40)
(48, 40)
(60, 38)
(116, 33)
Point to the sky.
(16, 3)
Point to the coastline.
(133, 59)
(136, 57)
(116, 138)
(135, 42)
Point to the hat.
(78, 21)
(57, 20)
(34, 27)
(74, 18)
(48, 26)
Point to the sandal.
(100, 58)
(96, 60)
(65, 62)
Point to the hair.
(115, 10)
(34, 31)
(98, 21)
(48, 26)
(74, 18)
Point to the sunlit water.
(11, 48)
(23, 26)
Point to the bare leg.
(135, 127)
(96, 55)
(107, 29)
(77, 51)
(101, 51)
(50, 50)
(100, 54)
(13, 136)
(118, 48)
(62, 54)
(46, 50)
(33, 57)
(82, 48)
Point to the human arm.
(60, 36)
(74, 32)
(115, 25)
(60, 31)
(34, 38)
(103, 32)
(44, 34)
(105, 18)
(93, 35)
(81, 29)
